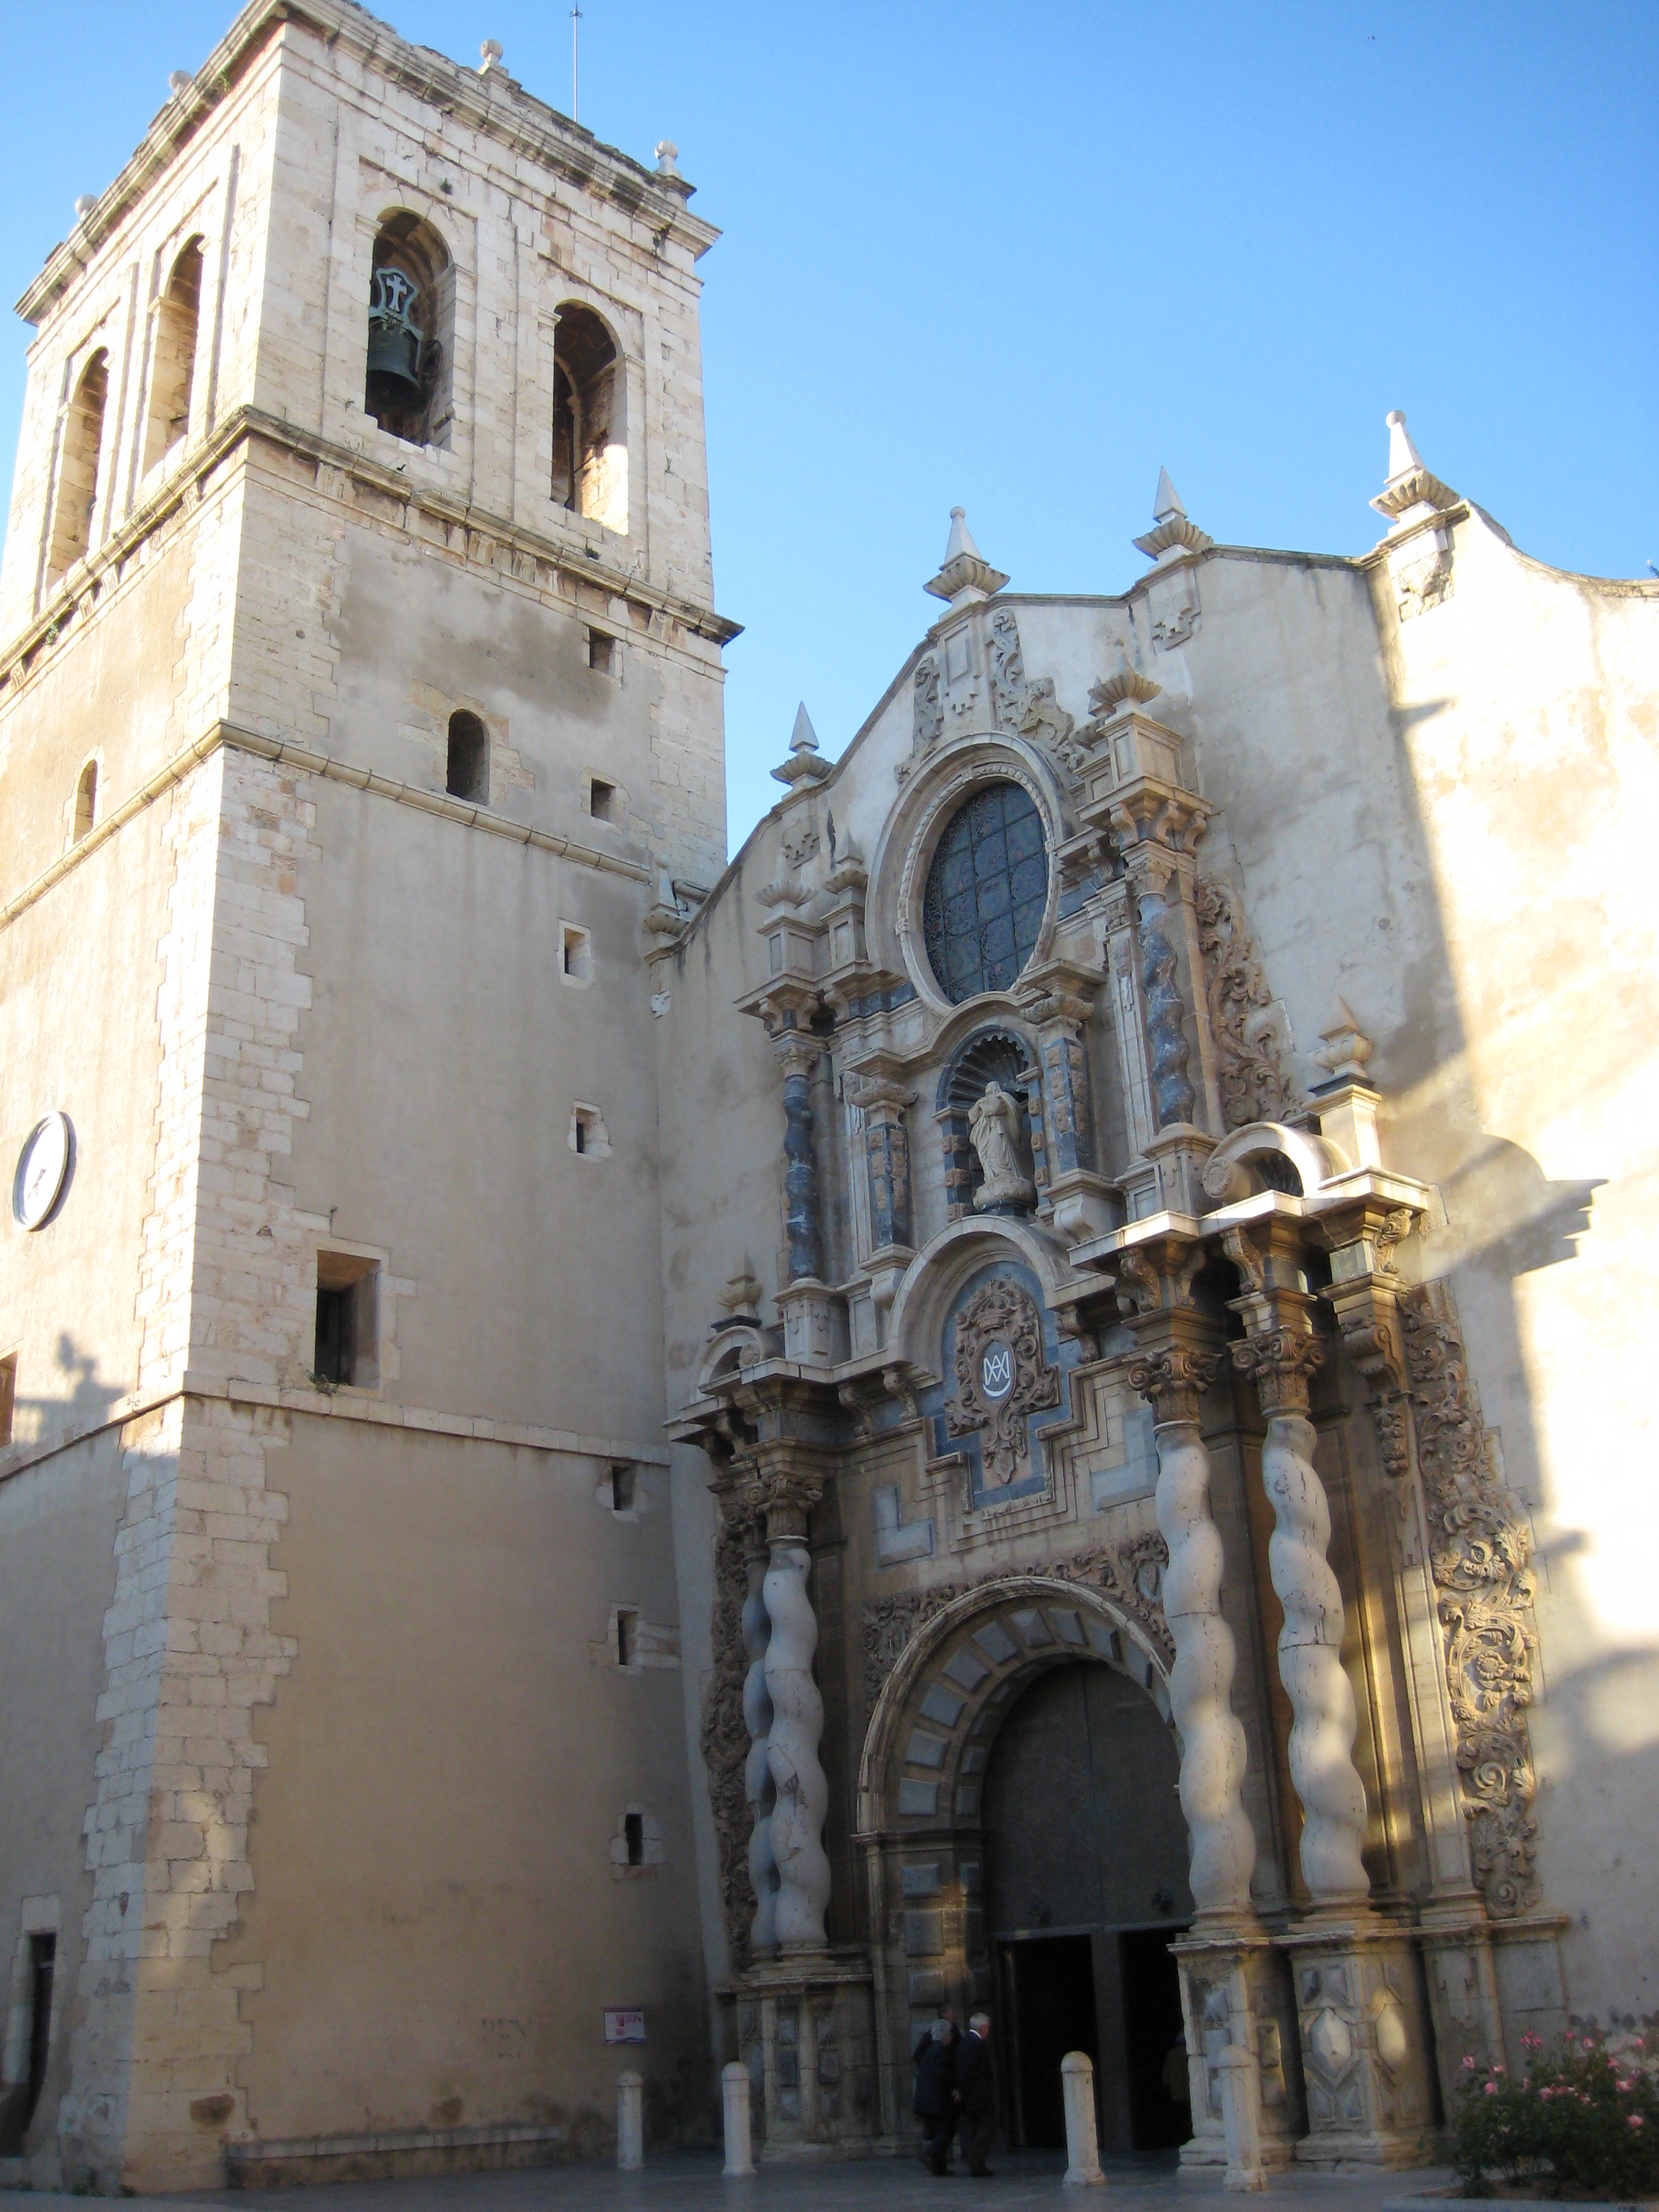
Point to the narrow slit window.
(468, 772)
(622, 1489)
(588, 1134)
(86, 801)
(601, 653)
(8, 1395)
(602, 799)
(43, 1961)
(634, 1833)
(628, 1637)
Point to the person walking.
(977, 2086)
(936, 2097)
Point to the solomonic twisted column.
(1323, 1719)
(1201, 1683)
(758, 1774)
(796, 1828)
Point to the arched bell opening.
(940, 1801)
(590, 420)
(409, 368)
(172, 368)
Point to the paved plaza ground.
(1022, 2181)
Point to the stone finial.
(180, 81)
(740, 1299)
(964, 574)
(1412, 492)
(1345, 1048)
(84, 206)
(804, 764)
(1124, 682)
(1172, 532)
(668, 157)
(489, 56)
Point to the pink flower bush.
(1573, 2120)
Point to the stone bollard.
(630, 2123)
(1077, 2087)
(1239, 2119)
(734, 2093)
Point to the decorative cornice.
(243, 425)
(491, 103)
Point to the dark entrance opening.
(1048, 2004)
(1086, 1888)
(1151, 2012)
(43, 1954)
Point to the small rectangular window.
(348, 1350)
(602, 799)
(622, 1490)
(7, 1395)
(601, 653)
(576, 953)
(634, 1830)
(587, 1132)
(627, 1636)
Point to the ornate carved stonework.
(1002, 1376)
(1131, 1574)
(927, 713)
(724, 1741)
(1007, 667)
(1254, 1084)
(1479, 1546)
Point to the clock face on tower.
(41, 1167)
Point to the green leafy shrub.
(1581, 2121)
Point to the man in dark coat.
(977, 2086)
(936, 2103)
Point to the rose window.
(986, 890)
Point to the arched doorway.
(1085, 1887)
(956, 1669)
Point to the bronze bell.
(394, 341)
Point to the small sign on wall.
(624, 2028)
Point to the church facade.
(1027, 1395)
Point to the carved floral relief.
(1480, 1546)
(1254, 1084)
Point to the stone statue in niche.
(993, 1126)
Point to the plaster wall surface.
(438, 1918)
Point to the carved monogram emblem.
(1001, 1375)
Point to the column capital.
(798, 1051)
(1174, 1379)
(1283, 1361)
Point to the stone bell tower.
(359, 724)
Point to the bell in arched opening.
(394, 343)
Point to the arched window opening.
(173, 376)
(409, 381)
(469, 759)
(590, 426)
(982, 909)
(78, 468)
(86, 801)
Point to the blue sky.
(1016, 257)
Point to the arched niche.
(172, 358)
(590, 419)
(409, 381)
(80, 455)
(991, 1052)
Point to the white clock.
(41, 1167)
